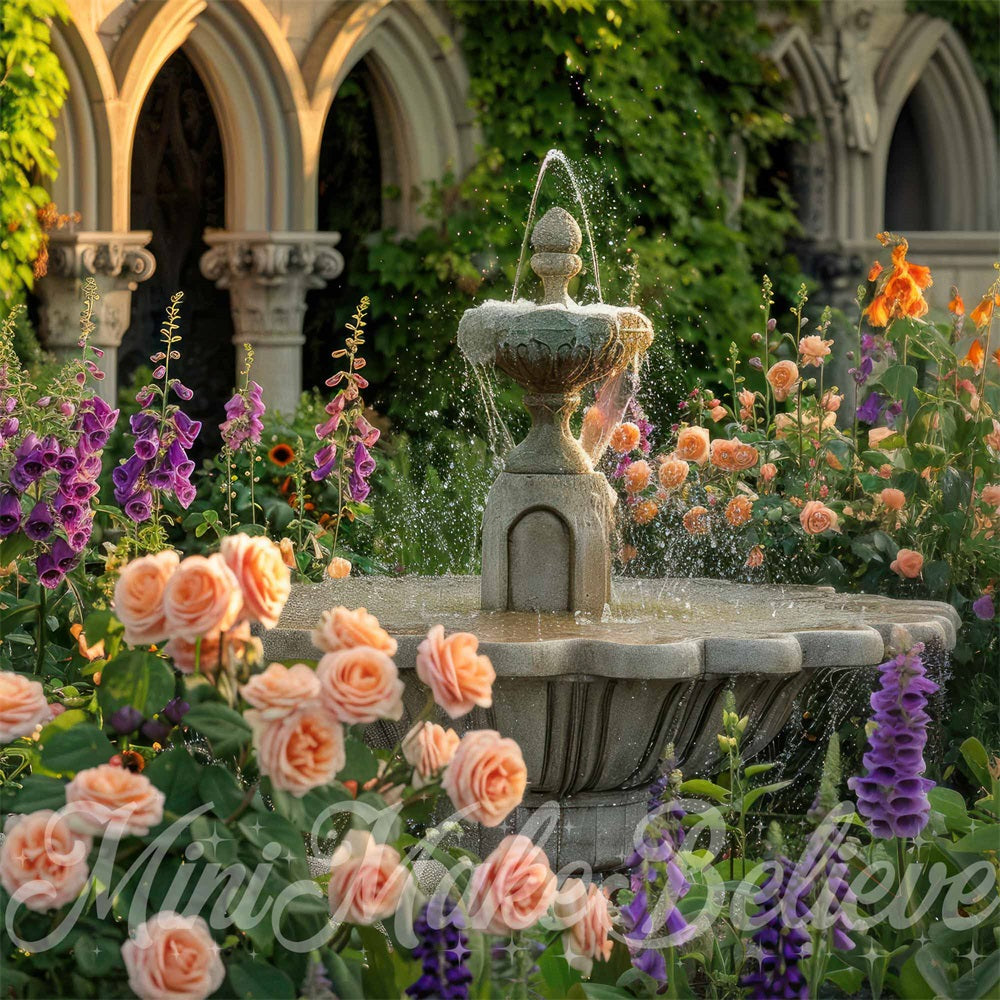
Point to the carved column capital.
(122, 257)
(268, 275)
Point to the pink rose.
(486, 777)
(113, 801)
(265, 580)
(892, 499)
(459, 677)
(343, 629)
(298, 752)
(43, 862)
(201, 598)
(908, 563)
(22, 706)
(582, 909)
(281, 690)
(360, 685)
(512, 889)
(429, 748)
(367, 879)
(173, 957)
(138, 600)
(224, 650)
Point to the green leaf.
(176, 774)
(706, 789)
(36, 792)
(361, 764)
(899, 381)
(257, 980)
(755, 793)
(219, 786)
(135, 678)
(986, 837)
(223, 727)
(76, 749)
(977, 760)
(378, 977)
(13, 547)
(754, 769)
(952, 807)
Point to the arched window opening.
(909, 198)
(178, 190)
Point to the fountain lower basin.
(593, 701)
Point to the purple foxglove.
(38, 526)
(10, 514)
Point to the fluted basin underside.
(594, 701)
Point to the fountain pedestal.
(549, 517)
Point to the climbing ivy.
(32, 90)
(672, 114)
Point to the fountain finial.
(556, 239)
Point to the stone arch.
(84, 143)
(928, 71)
(420, 93)
(255, 88)
(823, 174)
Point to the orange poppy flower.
(982, 313)
(875, 270)
(956, 305)
(902, 293)
(282, 455)
(976, 356)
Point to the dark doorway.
(178, 190)
(908, 201)
(350, 202)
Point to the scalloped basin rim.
(666, 628)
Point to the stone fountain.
(596, 675)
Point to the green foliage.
(32, 90)
(670, 111)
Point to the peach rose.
(815, 518)
(43, 862)
(692, 445)
(227, 650)
(113, 801)
(339, 568)
(813, 349)
(458, 675)
(717, 413)
(138, 601)
(429, 747)
(298, 752)
(831, 401)
(342, 629)
(360, 685)
(625, 438)
(592, 430)
(673, 473)
(486, 777)
(637, 476)
(783, 377)
(367, 879)
(22, 706)
(280, 690)
(201, 598)
(768, 471)
(747, 401)
(991, 496)
(512, 889)
(892, 499)
(878, 434)
(582, 909)
(908, 563)
(739, 510)
(263, 576)
(696, 521)
(644, 511)
(173, 957)
(733, 456)
(755, 557)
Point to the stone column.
(268, 275)
(118, 262)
